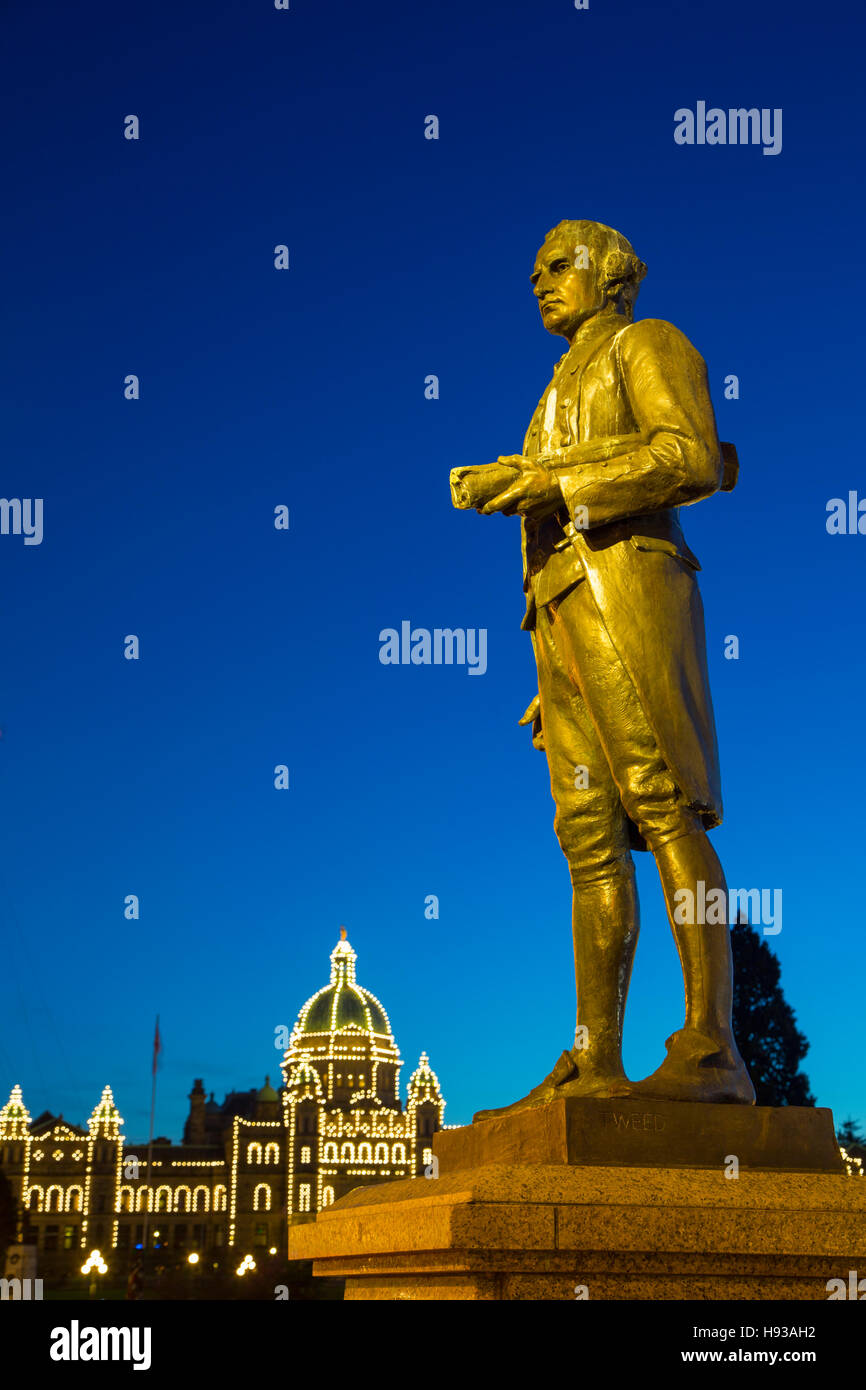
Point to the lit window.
(306, 1154)
(304, 1197)
(327, 1196)
(262, 1197)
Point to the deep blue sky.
(306, 388)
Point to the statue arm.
(679, 459)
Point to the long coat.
(628, 426)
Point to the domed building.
(343, 1116)
(247, 1166)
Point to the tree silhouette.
(771, 1045)
(852, 1138)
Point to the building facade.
(246, 1168)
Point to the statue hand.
(532, 715)
(535, 487)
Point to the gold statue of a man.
(624, 435)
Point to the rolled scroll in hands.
(477, 484)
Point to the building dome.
(343, 1004)
(267, 1095)
(344, 1034)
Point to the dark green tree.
(771, 1045)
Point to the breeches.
(607, 773)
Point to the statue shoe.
(564, 1081)
(698, 1068)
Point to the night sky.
(306, 388)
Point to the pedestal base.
(660, 1134)
(564, 1232)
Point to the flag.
(157, 1045)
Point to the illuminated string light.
(853, 1165)
(342, 1123)
(341, 1072)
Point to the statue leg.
(592, 829)
(703, 1062)
(605, 926)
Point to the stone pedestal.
(562, 1232)
(603, 1200)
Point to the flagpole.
(156, 1046)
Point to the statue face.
(567, 296)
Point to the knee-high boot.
(703, 1062)
(605, 926)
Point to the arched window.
(272, 1153)
(262, 1197)
(219, 1197)
(182, 1199)
(365, 1153)
(381, 1153)
(399, 1153)
(330, 1155)
(54, 1198)
(201, 1196)
(144, 1199)
(304, 1197)
(125, 1199)
(74, 1198)
(327, 1196)
(306, 1154)
(39, 1196)
(347, 1153)
(254, 1153)
(163, 1198)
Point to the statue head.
(582, 269)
